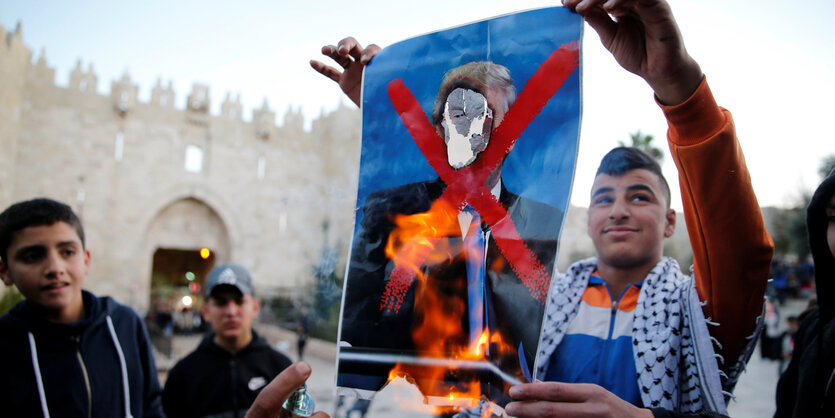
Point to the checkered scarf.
(672, 348)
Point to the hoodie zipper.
(234, 374)
(86, 376)
(607, 348)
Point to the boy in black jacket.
(226, 372)
(65, 351)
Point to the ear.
(4, 273)
(205, 310)
(256, 306)
(86, 260)
(670, 225)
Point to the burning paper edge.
(485, 366)
(458, 401)
(356, 393)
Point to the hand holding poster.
(463, 186)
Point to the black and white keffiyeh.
(674, 356)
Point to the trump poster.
(469, 143)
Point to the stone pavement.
(754, 392)
(756, 387)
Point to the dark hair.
(622, 159)
(35, 212)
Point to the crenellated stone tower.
(155, 182)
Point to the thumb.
(603, 24)
(269, 401)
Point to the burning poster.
(468, 151)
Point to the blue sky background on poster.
(770, 63)
(553, 132)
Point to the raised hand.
(644, 38)
(352, 57)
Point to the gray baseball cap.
(229, 274)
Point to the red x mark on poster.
(467, 185)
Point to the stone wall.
(265, 196)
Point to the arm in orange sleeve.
(731, 248)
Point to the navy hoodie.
(213, 382)
(78, 365)
(807, 387)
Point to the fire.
(415, 236)
(419, 245)
(480, 345)
(481, 348)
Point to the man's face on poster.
(467, 123)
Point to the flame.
(480, 345)
(414, 236)
(417, 243)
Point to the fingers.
(352, 57)
(326, 70)
(614, 7)
(567, 400)
(349, 50)
(269, 401)
(603, 24)
(537, 409)
(582, 6)
(350, 47)
(553, 391)
(369, 52)
(333, 53)
(346, 52)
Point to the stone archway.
(175, 237)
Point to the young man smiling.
(226, 372)
(628, 219)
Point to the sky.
(771, 63)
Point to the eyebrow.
(38, 246)
(602, 190)
(632, 188)
(22, 251)
(640, 187)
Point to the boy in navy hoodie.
(66, 352)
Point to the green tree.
(790, 235)
(10, 298)
(326, 292)
(644, 143)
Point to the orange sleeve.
(731, 248)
